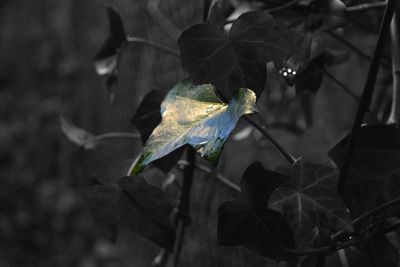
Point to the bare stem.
(366, 6)
(219, 176)
(395, 44)
(377, 210)
(182, 216)
(132, 39)
(262, 130)
(367, 95)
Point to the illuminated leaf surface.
(237, 60)
(250, 223)
(194, 115)
(146, 118)
(309, 202)
(374, 175)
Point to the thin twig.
(219, 176)
(347, 90)
(367, 95)
(377, 210)
(262, 130)
(366, 6)
(283, 6)
(339, 235)
(132, 39)
(182, 216)
(395, 44)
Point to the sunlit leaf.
(77, 135)
(374, 175)
(146, 118)
(194, 115)
(250, 223)
(237, 60)
(310, 203)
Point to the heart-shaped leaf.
(374, 175)
(251, 223)
(143, 208)
(309, 202)
(146, 209)
(194, 115)
(237, 60)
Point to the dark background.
(46, 70)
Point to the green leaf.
(250, 223)
(146, 118)
(194, 115)
(237, 60)
(310, 203)
(374, 173)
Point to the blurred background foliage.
(46, 70)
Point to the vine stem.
(395, 44)
(367, 215)
(262, 130)
(376, 210)
(182, 216)
(366, 6)
(133, 39)
(219, 176)
(367, 95)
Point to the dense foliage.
(304, 213)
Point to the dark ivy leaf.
(309, 79)
(310, 203)
(143, 208)
(103, 202)
(258, 183)
(146, 210)
(251, 223)
(146, 118)
(106, 60)
(236, 60)
(374, 175)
